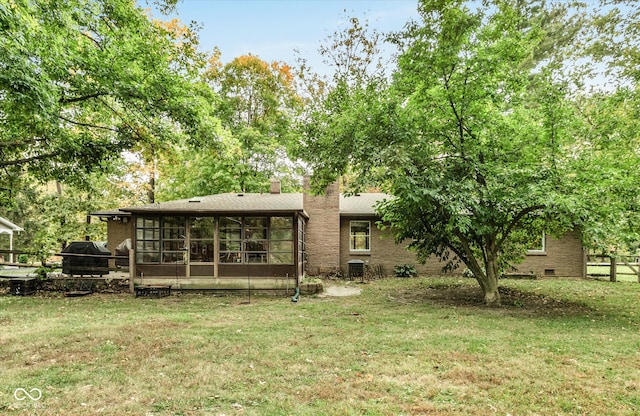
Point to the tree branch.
(81, 98)
(457, 115)
(17, 162)
(95, 41)
(124, 120)
(93, 126)
(21, 143)
(515, 222)
(471, 259)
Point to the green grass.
(403, 347)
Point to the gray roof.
(116, 212)
(226, 203)
(360, 204)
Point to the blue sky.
(273, 29)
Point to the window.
(201, 239)
(301, 240)
(173, 239)
(281, 240)
(256, 240)
(160, 240)
(536, 244)
(148, 240)
(242, 240)
(360, 237)
(230, 240)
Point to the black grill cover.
(89, 261)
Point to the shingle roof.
(229, 202)
(116, 212)
(360, 204)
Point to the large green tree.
(81, 80)
(479, 138)
(259, 102)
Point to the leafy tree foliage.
(54, 215)
(337, 117)
(83, 79)
(615, 31)
(187, 172)
(480, 139)
(258, 104)
(610, 133)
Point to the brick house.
(270, 240)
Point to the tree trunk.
(487, 278)
(151, 191)
(491, 294)
(489, 286)
(489, 283)
(151, 185)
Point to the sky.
(274, 29)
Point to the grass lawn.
(402, 347)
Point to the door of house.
(202, 247)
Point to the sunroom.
(225, 241)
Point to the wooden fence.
(600, 265)
(5, 255)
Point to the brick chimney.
(275, 186)
(323, 228)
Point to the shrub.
(405, 270)
(23, 258)
(41, 272)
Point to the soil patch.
(340, 291)
(515, 300)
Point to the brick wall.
(564, 257)
(323, 229)
(384, 251)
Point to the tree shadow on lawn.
(513, 301)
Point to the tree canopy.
(82, 80)
(479, 137)
(256, 103)
(259, 101)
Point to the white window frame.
(542, 250)
(367, 236)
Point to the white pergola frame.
(7, 227)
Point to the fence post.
(612, 269)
